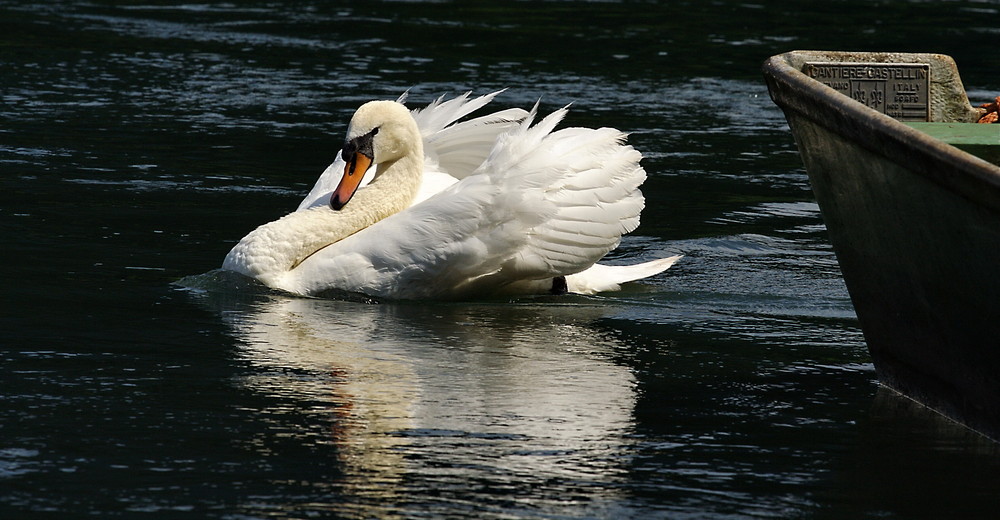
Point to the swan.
(427, 207)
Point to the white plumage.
(489, 205)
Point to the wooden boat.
(904, 179)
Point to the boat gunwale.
(967, 175)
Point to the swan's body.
(485, 206)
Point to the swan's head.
(380, 132)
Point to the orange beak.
(357, 164)
(358, 153)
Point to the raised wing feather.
(584, 193)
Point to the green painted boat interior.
(981, 140)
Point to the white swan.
(510, 208)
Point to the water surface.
(140, 140)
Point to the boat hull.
(915, 224)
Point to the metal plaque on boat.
(899, 90)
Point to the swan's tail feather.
(600, 278)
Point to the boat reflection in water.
(443, 397)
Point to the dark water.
(140, 141)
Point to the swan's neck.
(392, 190)
(278, 247)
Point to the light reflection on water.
(451, 395)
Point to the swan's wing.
(543, 204)
(461, 148)
(574, 192)
(452, 149)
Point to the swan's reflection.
(437, 396)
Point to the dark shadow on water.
(908, 461)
